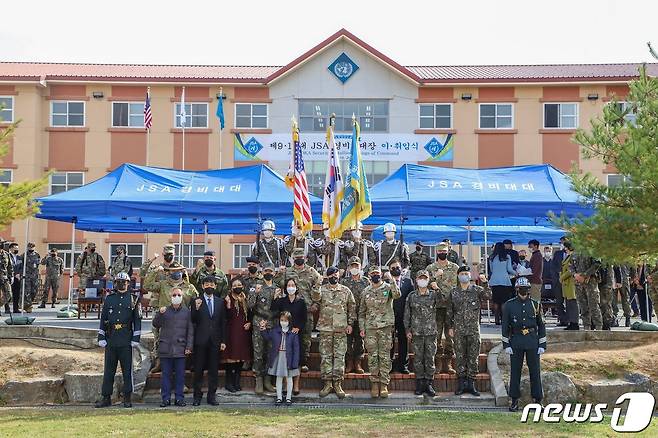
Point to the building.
(82, 120)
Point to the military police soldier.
(523, 335)
(418, 261)
(31, 281)
(376, 321)
(337, 315)
(210, 269)
(120, 331)
(90, 266)
(54, 270)
(390, 248)
(420, 315)
(121, 263)
(464, 319)
(269, 248)
(587, 291)
(357, 246)
(356, 282)
(259, 299)
(6, 276)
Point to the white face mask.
(296, 232)
(547, 255)
(356, 234)
(326, 233)
(355, 271)
(423, 283)
(284, 325)
(464, 278)
(268, 234)
(390, 235)
(176, 300)
(291, 290)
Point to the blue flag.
(220, 111)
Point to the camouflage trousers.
(653, 296)
(156, 340)
(424, 353)
(51, 283)
(333, 346)
(448, 347)
(467, 351)
(31, 289)
(306, 339)
(623, 295)
(378, 343)
(588, 298)
(261, 349)
(605, 304)
(355, 344)
(5, 293)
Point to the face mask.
(562, 246)
(291, 290)
(396, 272)
(176, 300)
(15, 251)
(547, 255)
(284, 325)
(333, 280)
(326, 233)
(419, 248)
(464, 278)
(423, 283)
(523, 293)
(268, 276)
(176, 276)
(208, 290)
(299, 262)
(119, 252)
(521, 257)
(90, 250)
(252, 269)
(356, 234)
(30, 250)
(51, 255)
(442, 256)
(375, 278)
(121, 285)
(208, 263)
(238, 290)
(268, 234)
(389, 235)
(355, 271)
(168, 258)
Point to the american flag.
(302, 204)
(148, 117)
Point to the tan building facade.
(80, 121)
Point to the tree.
(624, 227)
(16, 199)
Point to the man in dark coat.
(401, 362)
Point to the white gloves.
(508, 350)
(540, 350)
(134, 344)
(102, 344)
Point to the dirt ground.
(593, 365)
(22, 361)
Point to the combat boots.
(514, 406)
(383, 390)
(349, 365)
(338, 389)
(460, 386)
(358, 369)
(628, 321)
(127, 400)
(103, 402)
(471, 387)
(328, 387)
(374, 389)
(420, 387)
(156, 366)
(267, 384)
(429, 389)
(446, 365)
(259, 386)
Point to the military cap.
(374, 269)
(253, 259)
(31, 245)
(175, 266)
(522, 282)
(464, 268)
(354, 260)
(442, 247)
(89, 245)
(267, 266)
(209, 279)
(418, 242)
(168, 249)
(209, 253)
(331, 270)
(422, 273)
(298, 252)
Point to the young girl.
(284, 355)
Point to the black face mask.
(208, 290)
(521, 257)
(51, 255)
(268, 276)
(121, 285)
(119, 253)
(238, 290)
(333, 280)
(168, 258)
(375, 278)
(396, 272)
(30, 250)
(208, 263)
(92, 249)
(252, 269)
(299, 262)
(523, 294)
(419, 248)
(15, 251)
(442, 256)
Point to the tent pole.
(486, 263)
(72, 263)
(27, 238)
(191, 256)
(205, 237)
(180, 241)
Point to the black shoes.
(278, 402)
(103, 403)
(42, 306)
(127, 401)
(628, 321)
(460, 386)
(213, 402)
(180, 403)
(236, 380)
(165, 403)
(572, 326)
(196, 402)
(514, 406)
(288, 402)
(420, 386)
(471, 388)
(429, 389)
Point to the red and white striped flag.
(148, 117)
(297, 173)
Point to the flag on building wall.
(148, 117)
(356, 204)
(333, 189)
(220, 110)
(182, 112)
(296, 179)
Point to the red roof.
(22, 71)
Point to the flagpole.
(221, 96)
(183, 123)
(148, 130)
(221, 152)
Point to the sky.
(274, 32)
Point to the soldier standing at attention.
(269, 248)
(121, 263)
(119, 332)
(524, 335)
(420, 315)
(587, 291)
(418, 261)
(260, 296)
(54, 270)
(210, 269)
(90, 266)
(443, 277)
(32, 260)
(6, 275)
(376, 321)
(464, 309)
(337, 306)
(606, 280)
(252, 278)
(356, 282)
(390, 248)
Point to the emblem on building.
(434, 147)
(253, 146)
(343, 67)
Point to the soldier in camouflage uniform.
(443, 277)
(260, 295)
(587, 291)
(452, 254)
(308, 280)
(6, 275)
(464, 319)
(54, 270)
(356, 282)
(390, 249)
(418, 261)
(32, 260)
(269, 248)
(376, 320)
(253, 277)
(210, 269)
(356, 246)
(299, 240)
(606, 279)
(652, 280)
(90, 266)
(420, 315)
(121, 263)
(176, 278)
(623, 288)
(330, 252)
(336, 304)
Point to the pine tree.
(624, 228)
(16, 199)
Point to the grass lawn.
(83, 422)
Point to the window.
(496, 116)
(615, 180)
(128, 114)
(372, 114)
(6, 109)
(240, 253)
(5, 177)
(67, 113)
(196, 115)
(134, 251)
(435, 116)
(65, 181)
(624, 107)
(316, 173)
(250, 115)
(64, 251)
(561, 115)
(190, 256)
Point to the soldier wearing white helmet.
(269, 249)
(357, 246)
(390, 248)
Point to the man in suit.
(209, 319)
(17, 271)
(556, 268)
(401, 363)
